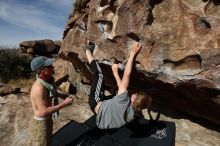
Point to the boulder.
(8, 89)
(61, 68)
(40, 47)
(179, 63)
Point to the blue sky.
(22, 20)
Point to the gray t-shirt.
(115, 112)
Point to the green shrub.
(13, 65)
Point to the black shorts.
(97, 88)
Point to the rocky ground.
(16, 112)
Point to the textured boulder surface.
(179, 64)
(40, 47)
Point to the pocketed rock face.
(179, 64)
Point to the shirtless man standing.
(41, 93)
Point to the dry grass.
(23, 82)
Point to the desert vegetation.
(13, 65)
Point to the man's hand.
(136, 47)
(69, 100)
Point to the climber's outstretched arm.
(128, 68)
(116, 75)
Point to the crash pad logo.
(160, 134)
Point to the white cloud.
(27, 17)
(38, 19)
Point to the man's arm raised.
(116, 75)
(128, 68)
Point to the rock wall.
(179, 64)
(40, 47)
